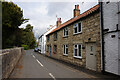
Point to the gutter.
(102, 37)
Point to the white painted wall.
(119, 52)
(112, 45)
(119, 40)
(40, 46)
(111, 53)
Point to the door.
(91, 56)
(50, 51)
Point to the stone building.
(110, 19)
(42, 39)
(77, 41)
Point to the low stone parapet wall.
(10, 57)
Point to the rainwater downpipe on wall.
(102, 37)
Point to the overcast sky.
(43, 14)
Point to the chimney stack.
(58, 23)
(76, 11)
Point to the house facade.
(42, 39)
(40, 44)
(111, 36)
(77, 41)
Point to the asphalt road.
(35, 65)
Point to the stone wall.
(90, 29)
(10, 57)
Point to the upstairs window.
(65, 49)
(55, 36)
(41, 39)
(55, 49)
(77, 28)
(65, 32)
(48, 38)
(78, 51)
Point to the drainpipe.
(102, 37)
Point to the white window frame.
(77, 25)
(78, 51)
(66, 47)
(64, 32)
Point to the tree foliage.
(12, 35)
(28, 36)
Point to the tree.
(12, 18)
(28, 36)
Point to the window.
(41, 39)
(91, 49)
(40, 47)
(55, 36)
(65, 32)
(55, 49)
(47, 48)
(78, 51)
(65, 49)
(77, 28)
(48, 38)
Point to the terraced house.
(77, 41)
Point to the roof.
(91, 10)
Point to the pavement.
(36, 66)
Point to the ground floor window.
(65, 49)
(78, 50)
(55, 49)
(47, 48)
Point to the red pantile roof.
(93, 9)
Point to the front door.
(91, 56)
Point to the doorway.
(91, 56)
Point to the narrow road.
(35, 65)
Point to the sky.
(42, 14)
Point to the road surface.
(35, 65)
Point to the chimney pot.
(76, 11)
(77, 6)
(58, 23)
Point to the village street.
(35, 65)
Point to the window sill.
(77, 57)
(65, 36)
(55, 39)
(65, 54)
(55, 52)
(77, 33)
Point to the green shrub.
(26, 47)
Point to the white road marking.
(33, 56)
(40, 63)
(52, 76)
